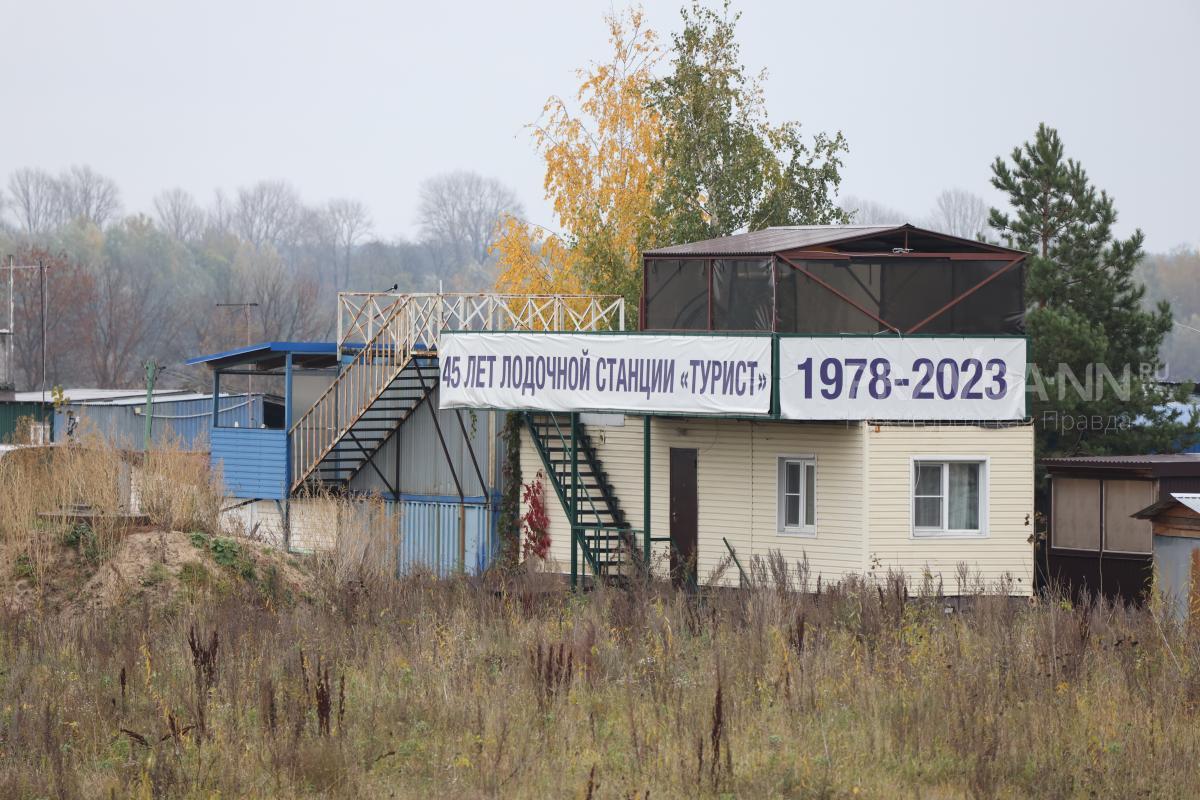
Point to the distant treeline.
(1175, 277)
(123, 287)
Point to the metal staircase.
(369, 398)
(393, 341)
(399, 401)
(599, 526)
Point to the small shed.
(1175, 521)
(1096, 541)
(38, 407)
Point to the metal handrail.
(360, 313)
(352, 392)
(393, 327)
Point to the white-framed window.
(797, 499)
(949, 496)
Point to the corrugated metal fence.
(425, 531)
(11, 413)
(429, 536)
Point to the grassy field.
(507, 686)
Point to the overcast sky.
(364, 100)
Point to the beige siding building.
(857, 504)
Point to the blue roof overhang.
(272, 355)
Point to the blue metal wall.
(253, 461)
(429, 536)
(184, 422)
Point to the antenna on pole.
(7, 377)
(8, 373)
(249, 378)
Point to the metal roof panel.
(798, 237)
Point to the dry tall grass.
(42, 488)
(463, 689)
(510, 687)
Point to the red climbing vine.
(535, 522)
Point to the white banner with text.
(902, 378)
(606, 372)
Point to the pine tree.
(1084, 308)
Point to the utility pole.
(151, 375)
(42, 282)
(10, 331)
(249, 378)
(8, 379)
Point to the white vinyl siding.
(1008, 510)
(738, 480)
(862, 495)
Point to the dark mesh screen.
(676, 294)
(915, 288)
(997, 307)
(742, 295)
(805, 306)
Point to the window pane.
(1075, 513)
(810, 494)
(964, 496)
(927, 512)
(743, 299)
(791, 516)
(929, 479)
(1122, 532)
(793, 478)
(676, 294)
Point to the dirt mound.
(163, 570)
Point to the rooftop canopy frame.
(920, 278)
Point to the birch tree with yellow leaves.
(600, 178)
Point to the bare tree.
(134, 310)
(960, 213)
(36, 200)
(287, 305)
(350, 223)
(220, 213)
(459, 212)
(179, 214)
(88, 195)
(67, 290)
(868, 212)
(267, 213)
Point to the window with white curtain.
(948, 496)
(797, 495)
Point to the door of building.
(684, 516)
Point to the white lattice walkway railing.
(385, 331)
(360, 314)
